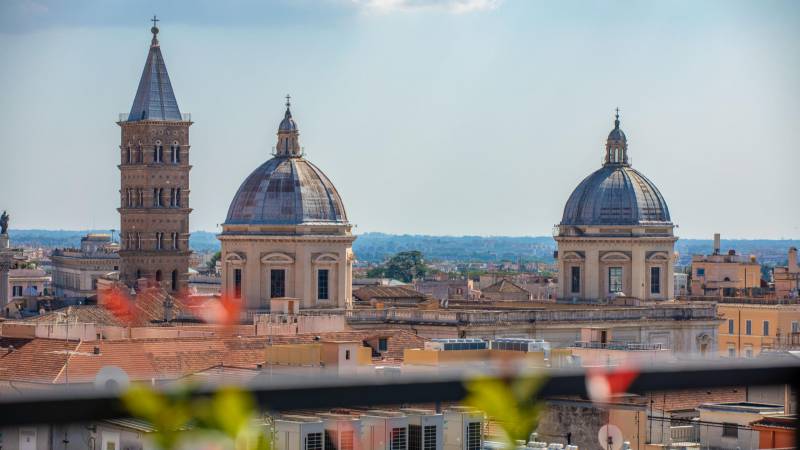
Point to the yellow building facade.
(749, 329)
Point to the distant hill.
(376, 247)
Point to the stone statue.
(4, 223)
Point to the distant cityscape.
(377, 247)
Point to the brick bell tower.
(154, 195)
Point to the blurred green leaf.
(228, 415)
(512, 404)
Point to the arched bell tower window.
(139, 153)
(158, 152)
(175, 153)
(129, 155)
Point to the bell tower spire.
(288, 136)
(616, 145)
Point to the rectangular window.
(748, 351)
(655, 280)
(473, 436)
(429, 437)
(17, 291)
(383, 344)
(414, 437)
(347, 440)
(237, 283)
(614, 279)
(795, 327)
(398, 439)
(347, 355)
(766, 328)
(730, 430)
(314, 441)
(322, 284)
(277, 283)
(731, 351)
(748, 327)
(575, 278)
(701, 272)
(730, 326)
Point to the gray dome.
(615, 195)
(286, 191)
(617, 134)
(288, 123)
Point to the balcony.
(123, 117)
(86, 404)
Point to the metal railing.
(84, 403)
(185, 117)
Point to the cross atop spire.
(288, 101)
(154, 30)
(616, 120)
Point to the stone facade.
(253, 260)
(643, 255)
(154, 195)
(154, 203)
(76, 271)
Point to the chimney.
(96, 350)
(793, 260)
(716, 243)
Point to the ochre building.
(154, 195)
(287, 235)
(615, 237)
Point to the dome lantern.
(616, 145)
(288, 136)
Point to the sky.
(446, 117)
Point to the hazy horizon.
(431, 117)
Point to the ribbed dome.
(615, 195)
(286, 191)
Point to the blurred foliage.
(513, 404)
(226, 419)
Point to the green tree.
(214, 258)
(404, 266)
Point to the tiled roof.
(79, 314)
(26, 273)
(33, 360)
(154, 99)
(689, 399)
(368, 293)
(504, 287)
(45, 360)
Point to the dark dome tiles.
(286, 191)
(615, 195)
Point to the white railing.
(529, 316)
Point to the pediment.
(277, 258)
(615, 256)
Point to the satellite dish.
(610, 437)
(111, 378)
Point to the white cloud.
(451, 6)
